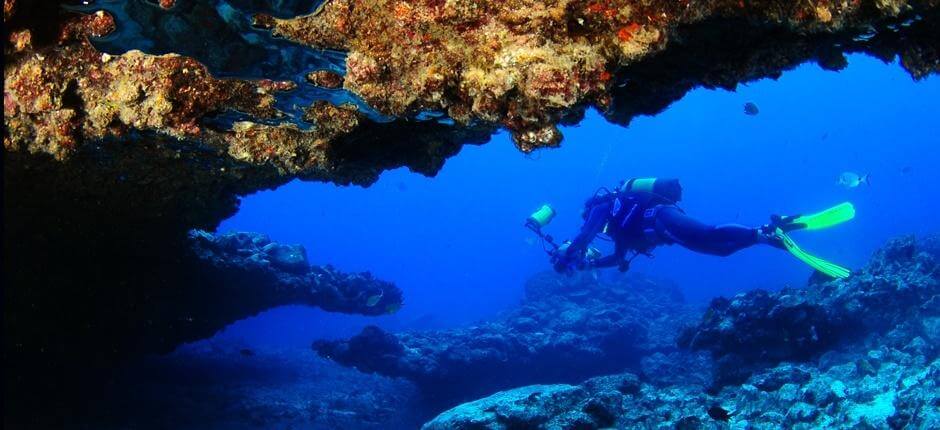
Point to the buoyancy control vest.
(634, 206)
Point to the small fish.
(824, 136)
(719, 413)
(374, 300)
(906, 170)
(852, 179)
(402, 187)
(751, 109)
(246, 352)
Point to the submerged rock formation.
(526, 64)
(219, 384)
(759, 328)
(881, 373)
(71, 332)
(523, 65)
(112, 157)
(567, 329)
(900, 391)
(254, 261)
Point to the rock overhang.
(437, 73)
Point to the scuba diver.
(642, 213)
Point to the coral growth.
(524, 63)
(566, 330)
(526, 66)
(325, 79)
(882, 373)
(756, 328)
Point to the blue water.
(456, 246)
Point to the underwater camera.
(541, 218)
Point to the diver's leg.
(700, 237)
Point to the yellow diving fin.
(833, 216)
(829, 269)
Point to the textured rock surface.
(883, 374)
(221, 384)
(902, 392)
(756, 328)
(523, 64)
(567, 329)
(250, 260)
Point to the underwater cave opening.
(456, 246)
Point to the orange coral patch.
(626, 33)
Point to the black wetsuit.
(641, 221)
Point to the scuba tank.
(667, 188)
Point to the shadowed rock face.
(98, 265)
(756, 329)
(882, 372)
(280, 274)
(111, 158)
(567, 329)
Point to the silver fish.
(374, 300)
(852, 179)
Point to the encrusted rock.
(566, 330)
(257, 261)
(325, 79)
(522, 63)
(759, 327)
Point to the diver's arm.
(592, 226)
(721, 240)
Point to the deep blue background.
(456, 246)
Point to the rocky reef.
(116, 146)
(877, 367)
(433, 68)
(898, 391)
(760, 328)
(527, 64)
(224, 384)
(66, 337)
(565, 330)
(250, 259)
(101, 139)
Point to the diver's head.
(665, 187)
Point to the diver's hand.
(770, 235)
(563, 263)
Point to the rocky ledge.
(881, 373)
(430, 74)
(566, 329)
(66, 338)
(757, 328)
(251, 261)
